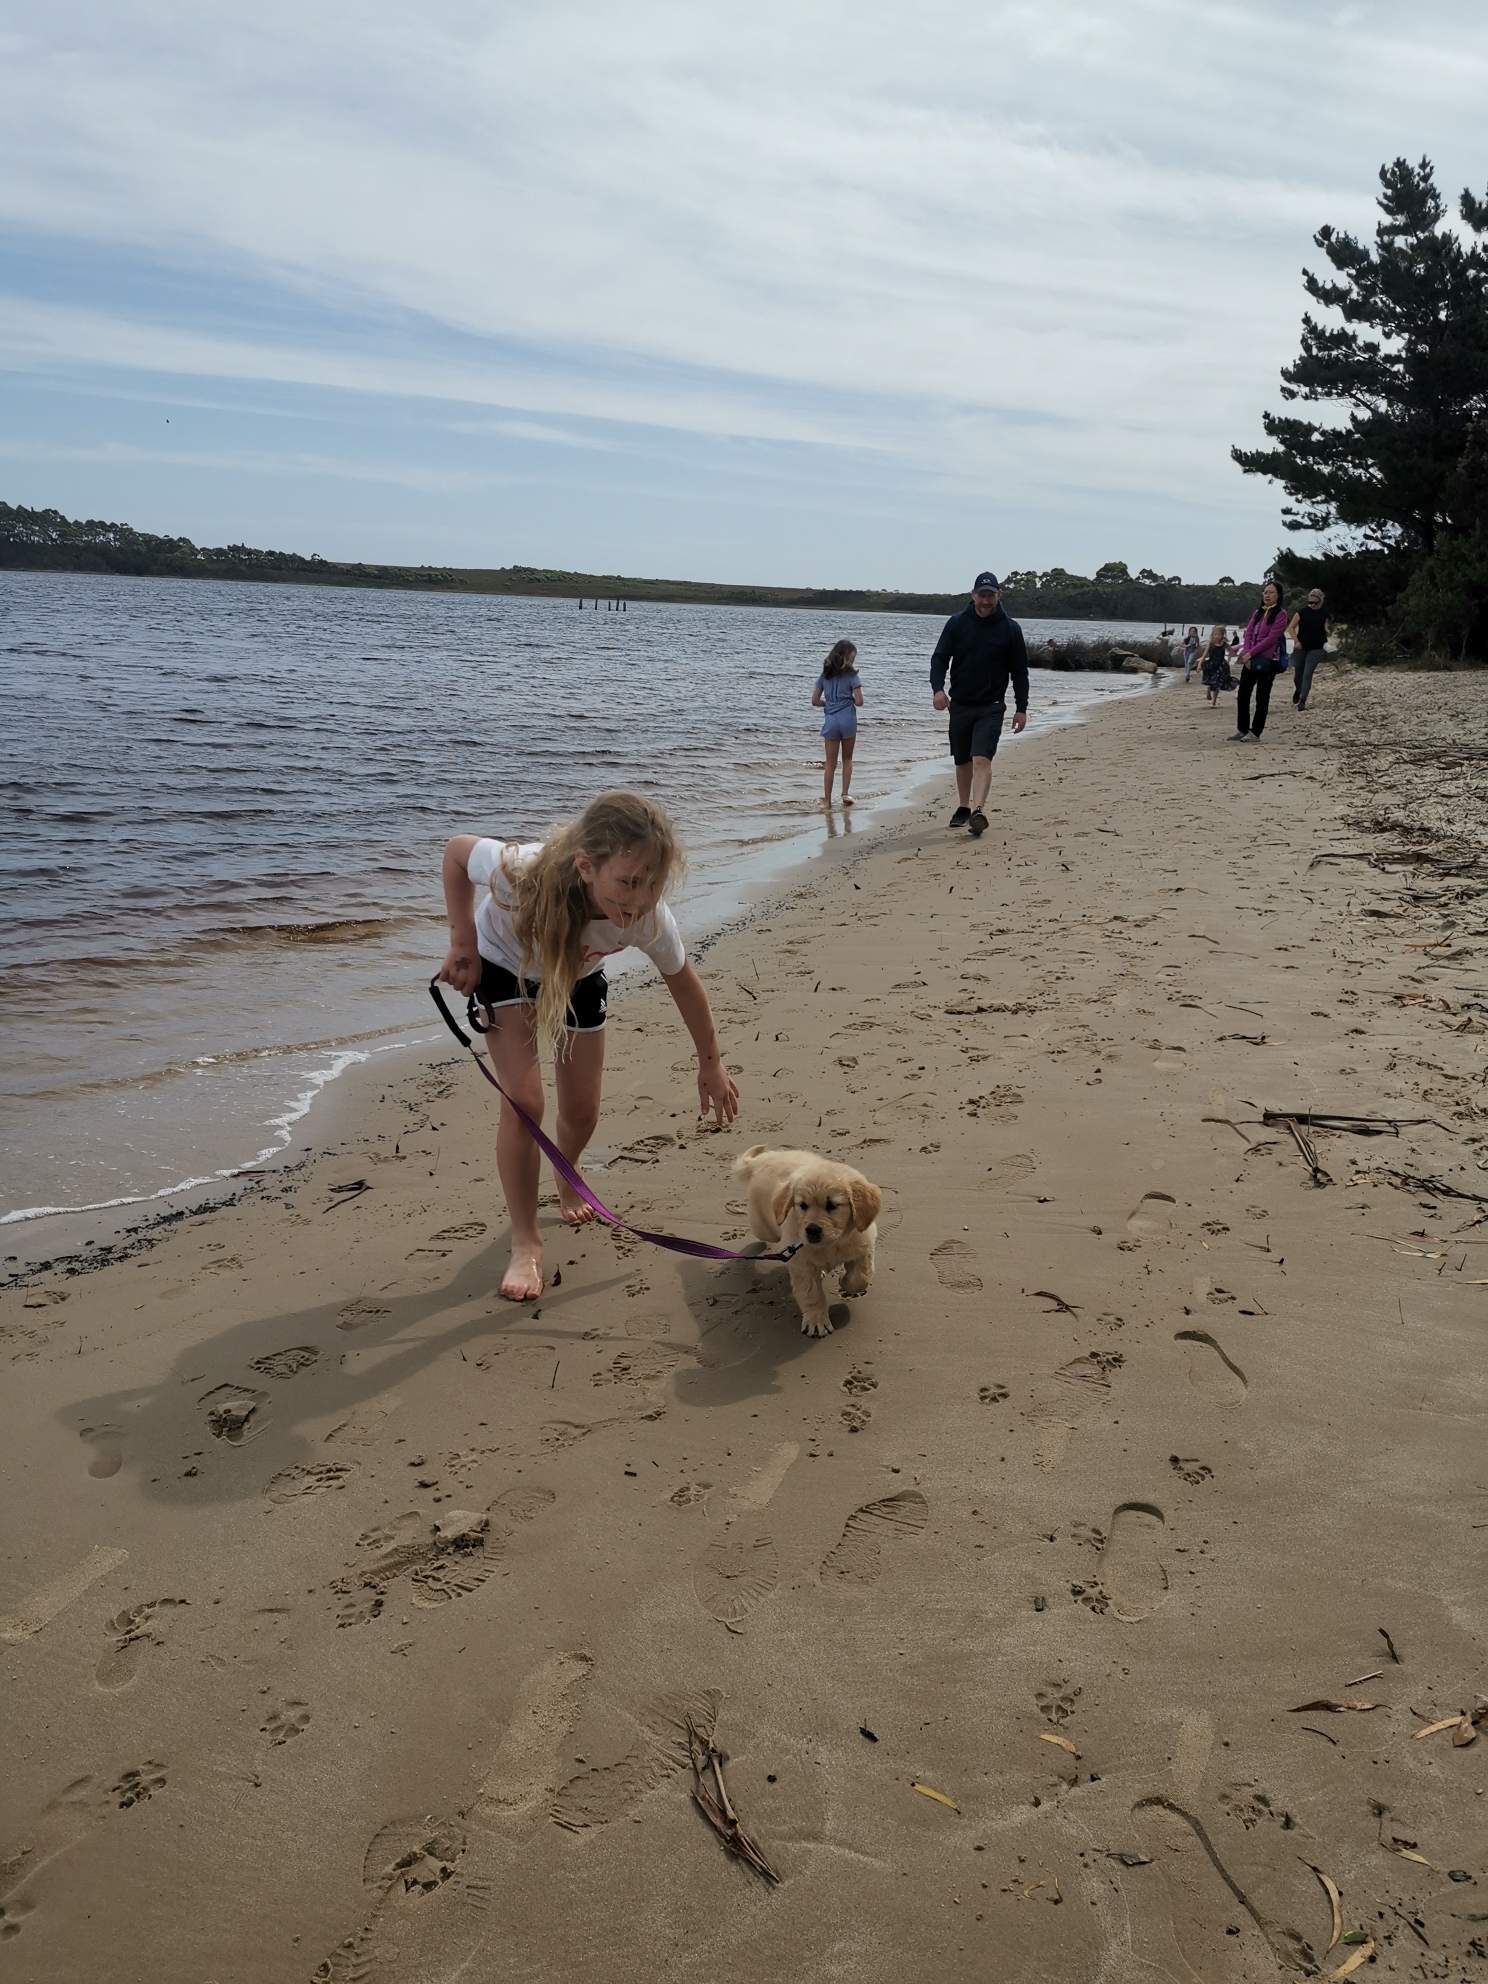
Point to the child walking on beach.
(1217, 676)
(839, 694)
(531, 924)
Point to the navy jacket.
(982, 656)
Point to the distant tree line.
(1396, 474)
(45, 540)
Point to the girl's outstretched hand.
(717, 1091)
(461, 967)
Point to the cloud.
(1051, 245)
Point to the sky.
(814, 294)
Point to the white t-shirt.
(657, 934)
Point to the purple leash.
(699, 1249)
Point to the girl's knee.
(528, 1097)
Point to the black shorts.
(975, 729)
(586, 1007)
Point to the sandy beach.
(352, 1620)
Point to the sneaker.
(961, 815)
(1240, 736)
(977, 824)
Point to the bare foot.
(846, 801)
(523, 1280)
(575, 1211)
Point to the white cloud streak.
(1058, 244)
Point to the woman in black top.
(1309, 636)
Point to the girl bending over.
(531, 924)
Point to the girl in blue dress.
(839, 695)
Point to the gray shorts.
(974, 731)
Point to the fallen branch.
(1359, 1126)
(1304, 1145)
(719, 1811)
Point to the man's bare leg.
(963, 784)
(979, 782)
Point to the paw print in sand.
(855, 1417)
(290, 1720)
(992, 1394)
(138, 1786)
(1190, 1470)
(1214, 1227)
(1056, 1701)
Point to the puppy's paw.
(816, 1325)
(855, 1282)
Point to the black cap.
(986, 582)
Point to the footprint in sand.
(952, 1261)
(1213, 1374)
(1150, 1220)
(130, 1632)
(308, 1478)
(858, 1558)
(108, 1457)
(1056, 1701)
(429, 1916)
(659, 1752)
(734, 1574)
(291, 1719)
(469, 1229)
(235, 1413)
(363, 1424)
(546, 1709)
(1221, 1934)
(1188, 1469)
(1010, 1172)
(1073, 1391)
(60, 1824)
(356, 1315)
(285, 1363)
(1131, 1570)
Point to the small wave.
(282, 1125)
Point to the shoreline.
(322, 1557)
(730, 885)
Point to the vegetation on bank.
(1396, 474)
(45, 540)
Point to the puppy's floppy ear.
(780, 1204)
(867, 1203)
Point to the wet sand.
(352, 1618)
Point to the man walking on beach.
(983, 649)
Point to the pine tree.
(1407, 369)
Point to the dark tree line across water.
(45, 540)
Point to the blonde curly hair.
(549, 899)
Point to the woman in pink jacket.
(1260, 659)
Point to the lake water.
(225, 807)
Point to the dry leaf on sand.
(1337, 1901)
(1337, 1708)
(939, 1796)
(1048, 1736)
(1351, 1963)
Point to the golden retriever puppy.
(830, 1209)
